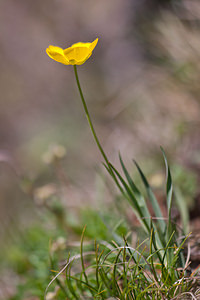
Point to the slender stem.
(108, 166)
(89, 118)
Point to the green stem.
(89, 118)
(108, 166)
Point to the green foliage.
(122, 272)
(29, 259)
(103, 224)
(154, 269)
(110, 266)
(164, 231)
(108, 263)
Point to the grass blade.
(170, 227)
(169, 187)
(140, 199)
(127, 192)
(154, 202)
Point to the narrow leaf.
(153, 200)
(132, 200)
(140, 199)
(169, 187)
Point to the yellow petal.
(87, 45)
(93, 44)
(80, 44)
(77, 54)
(57, 54)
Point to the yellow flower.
(77, 54)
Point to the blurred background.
(141, 85)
